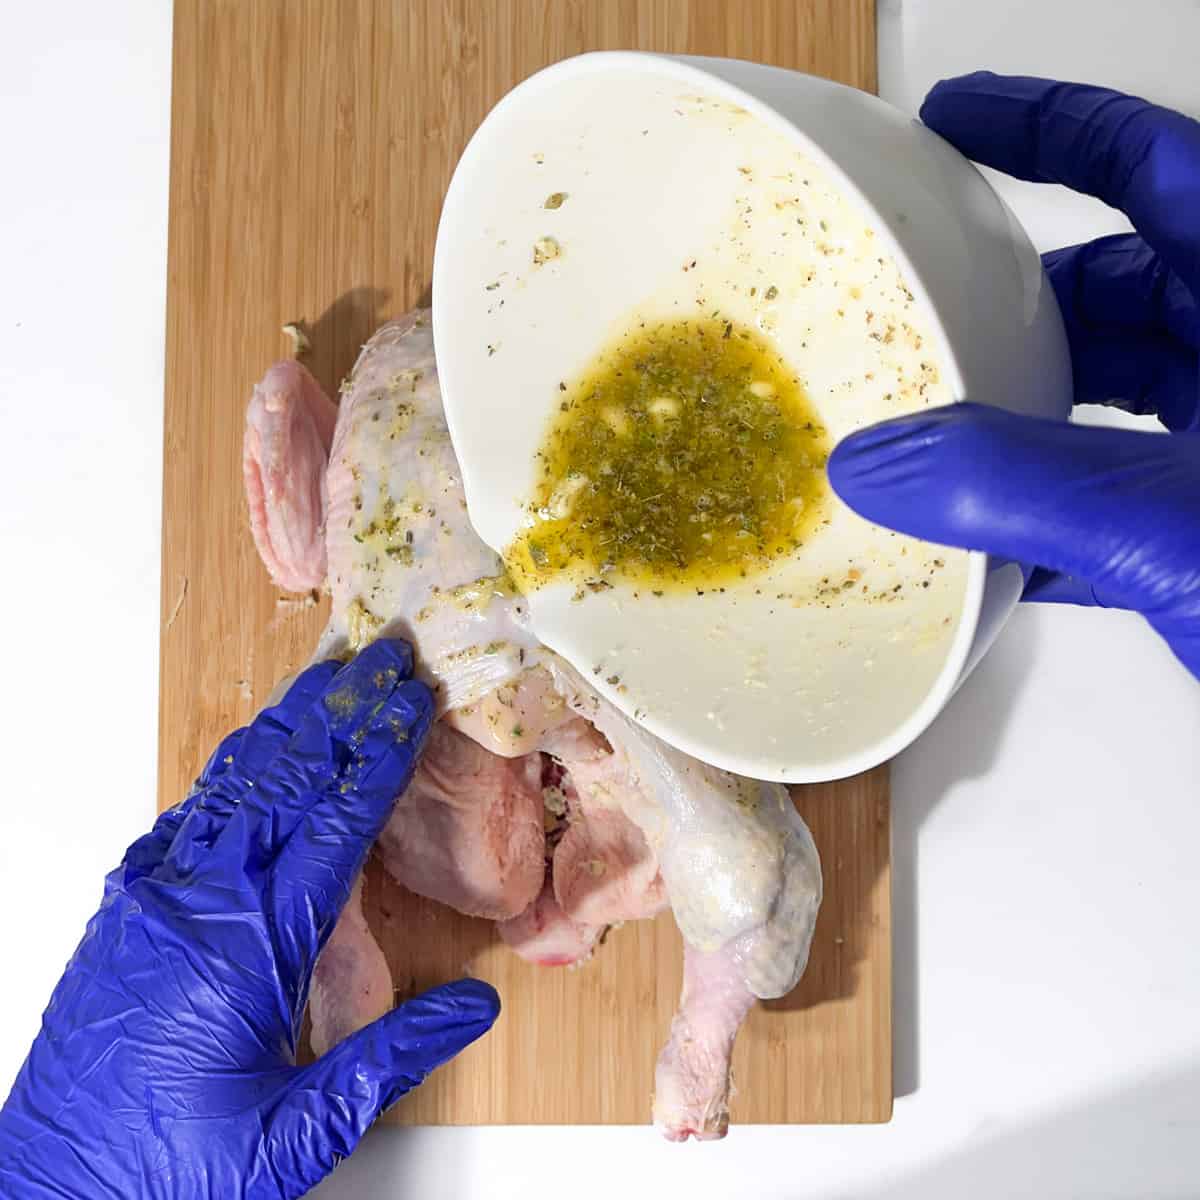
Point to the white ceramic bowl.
(793, 692)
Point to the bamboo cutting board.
(311, 145)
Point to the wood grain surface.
(311, 145)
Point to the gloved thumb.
(1112, 508)
(330, 1104)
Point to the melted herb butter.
(389, 532)
(474, 597)
(686, 454)
(362, 625)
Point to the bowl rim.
(690, 69)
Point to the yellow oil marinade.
(686, 454)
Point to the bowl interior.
(630, 169)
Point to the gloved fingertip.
(897, 434)
(433, 1027)
(881, 457)
(385, 653)
(360, 753)
(945, 92)
(936, 475)
(387, 750)
(342, 1093)
(359, 688)
(467, 1001)
(866, 448)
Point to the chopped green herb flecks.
(686, 453)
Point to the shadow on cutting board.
(852, 906)
(337, 335)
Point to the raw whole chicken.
(536, 804)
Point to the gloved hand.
(165, 1066)
(1109, 517)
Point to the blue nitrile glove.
(165, 1067)
(1107, 516)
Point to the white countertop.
(1047, 970)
